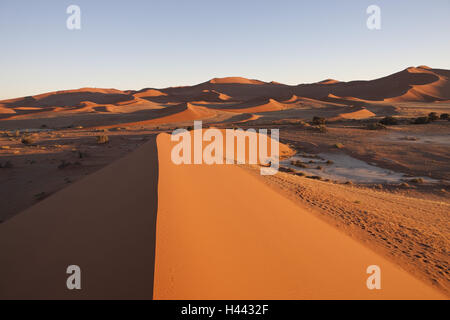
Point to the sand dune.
(359, 114)
(235, 80)
(414, 84)
(189, 113)
(292, 99)
(105, 224)
(174, 114)
(212, 248)
(207, 96)
(4, 110)
(435, 91)
(251, 117)
(328, 81)
(70, 98)
(207, 247)
(256, 107)
(392, 86)
(146, 93)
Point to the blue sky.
(158, 43)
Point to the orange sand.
(269, 106)
(223, 234)
(360, 114)
(234, 80)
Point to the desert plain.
(86, 178)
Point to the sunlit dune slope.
(256, 107)
(235, 80)
(223, 234)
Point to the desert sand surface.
(384, 186)
(206, 247)
(105, 224)
(258, 246)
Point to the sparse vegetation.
(339, 145)
(64, 164)
(81, 155)
(404, 185)
(433, 116)
(422, 120)
(330, 162)
(8, 165)
(445, 116)
(116, 129)
(319, 121)
(27, 140)
(375, 126)
(41, 196)
(389, 121)
(322, 128)
(416, 180)
(102, 139)
(298, 164)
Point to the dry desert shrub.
(389, 121)
(416, 180)
(8, 165)
(433, 116)
(27, 140)
(422, 120)
(375, 126)
(298, 164)
(103, 139)
(319, 121)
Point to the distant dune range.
(233, 95)
(142, 227)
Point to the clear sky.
(159, 43)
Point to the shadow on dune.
(92, 119)
(105, 224)
(68, 99)
(375, 90)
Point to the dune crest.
(359, 114)
(328, 81)
(269, 105)
(150, 93)
(235, 80)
